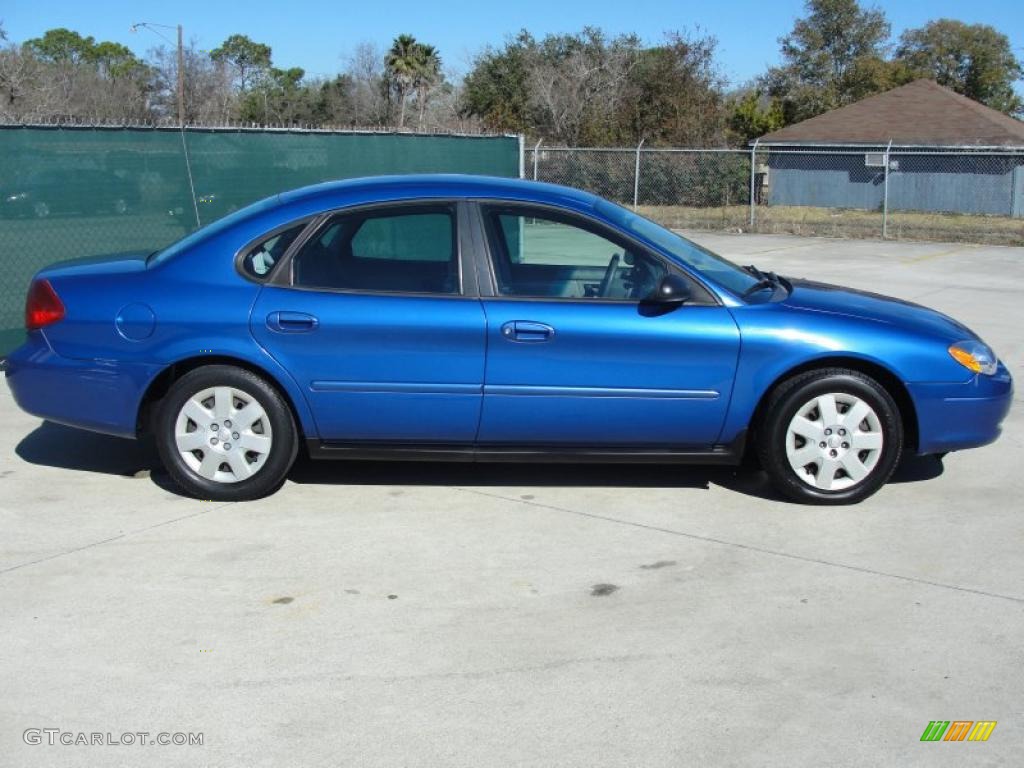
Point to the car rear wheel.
(226, 434)
(832, 436)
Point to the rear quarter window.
(261, 258)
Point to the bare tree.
(573, 78)
(66, 55)
(446, 109)
(209, 96)
(26, 94)
(369, 89)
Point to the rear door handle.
(527, 330)
(291, 322)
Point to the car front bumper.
(98, 395)
(955, 416)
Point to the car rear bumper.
(98, 395)
(955, 416)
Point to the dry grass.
(832, 222)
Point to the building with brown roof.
(945, 152)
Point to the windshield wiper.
(754, 271)
(764, 280)
(760, 285)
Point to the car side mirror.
(672, 291)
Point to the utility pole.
(181, 59)
(181, 80)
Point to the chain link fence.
(74, 191)
(953, 194)
(67, 192)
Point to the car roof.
(440, 185)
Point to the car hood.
(812, 296)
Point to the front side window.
(699, 259)
(539, 254)
(261, 258)
(405, 250)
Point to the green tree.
(402, 64)
(972, 59)
(278, 98)
(590, 89)
(250, 59)
(497, 89)
(428, 77)
(672, 94)
(62, 46)
(116, 61)
(66, 54)
(833, 56)
(754, 114)
(333, 102)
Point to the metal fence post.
(522, 156)
(885, 194)
(536, 154)
(636, 175)
(753, 168)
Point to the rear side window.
(261, 258)
(403, 250)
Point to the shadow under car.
(55, 445)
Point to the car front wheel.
(832, 436)
(225, 434)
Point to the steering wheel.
(609, 274)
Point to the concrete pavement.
(429, 615)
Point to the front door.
(575, 358)
(375, 328)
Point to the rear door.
(376, 323)
(575, 358)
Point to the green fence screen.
(70, 192)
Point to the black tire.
(278, 460)
(797, 393)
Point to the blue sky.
(318, 35)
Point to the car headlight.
(975, 356)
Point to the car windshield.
(210, 230)
(699, 259)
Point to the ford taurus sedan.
(478, 319)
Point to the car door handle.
(291, 322)
(527, 330)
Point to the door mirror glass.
(672, 291)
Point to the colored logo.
(958, 730)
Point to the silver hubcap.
(834, 441)
(223, 434)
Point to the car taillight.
(42, 307)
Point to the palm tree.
(402, 64)
(428, 75)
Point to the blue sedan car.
(479, 319)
